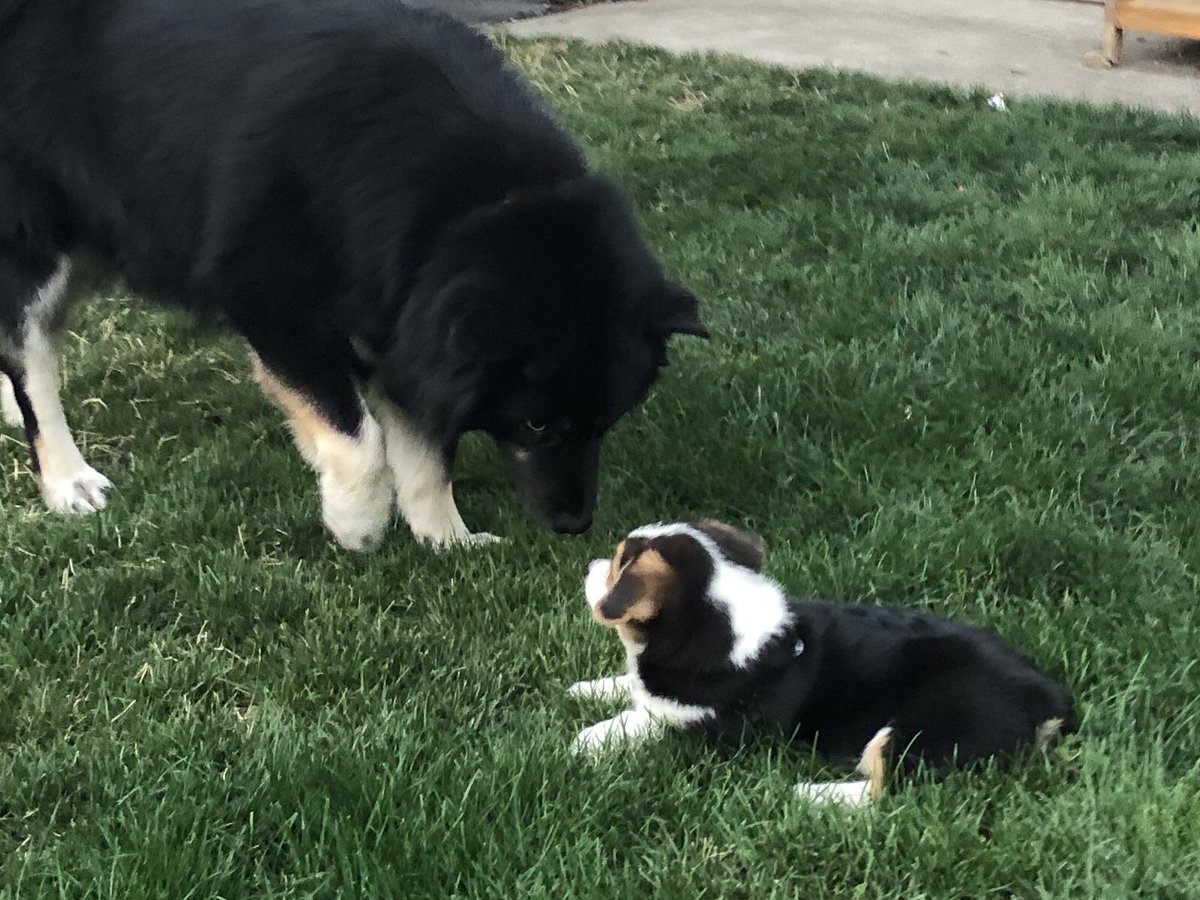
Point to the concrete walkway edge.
(1018, 47)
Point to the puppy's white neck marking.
(756, 606)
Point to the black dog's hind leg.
(308, 377)
(32, 306)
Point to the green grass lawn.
(956, 365)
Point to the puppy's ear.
(738, 547)
(640, 591)
(678, 312)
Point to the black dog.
(715, 646)
(364, 192)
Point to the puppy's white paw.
(631, 727)
(593, 740)
(613, 688)
(357, 516)
(584, 689)
(9, 410)
(850, 794)
(78, 493)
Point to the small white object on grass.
(996, 102)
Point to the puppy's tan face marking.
(642, 583)
(637, 585)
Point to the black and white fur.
(716, 647)
(409, 243)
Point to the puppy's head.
(688, 591)
(540, 321)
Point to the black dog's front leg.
(309, 378)
(421, 470)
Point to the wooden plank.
(1180, 18)
(1113, 36)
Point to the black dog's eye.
(535, 427)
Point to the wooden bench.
(1180, 18)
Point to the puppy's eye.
(535, 427)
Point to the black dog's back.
(9, 8)
(227, 99)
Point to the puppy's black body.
(953, 694)
(716, 647)
(365, 192)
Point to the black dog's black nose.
(571, 523)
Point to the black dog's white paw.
(9, 410)
(77, 493)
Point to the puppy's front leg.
(632, 727)
(423, 489)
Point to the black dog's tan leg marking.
(356, 485)
(32, 395)
(872, 764)
(423, 489)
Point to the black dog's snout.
(571, 523)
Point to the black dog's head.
(541, 321)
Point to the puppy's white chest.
(672, 712)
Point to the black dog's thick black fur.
(359, 189)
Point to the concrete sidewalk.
(1030, 47)
(484, 12)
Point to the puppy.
(714, 646)
(407, 240)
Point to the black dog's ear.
(738, 547)
(434, 369)
(678, 312)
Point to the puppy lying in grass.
(716, 647)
